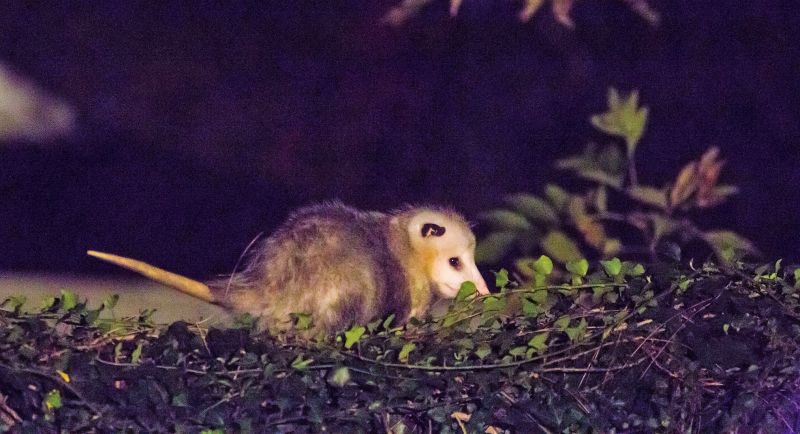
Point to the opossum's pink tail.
(183, 284)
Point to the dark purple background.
(202, 125)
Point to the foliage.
(614, 349)
(568, 225)
(560, 9)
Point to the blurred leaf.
(601, 177)
(506, 220)
(797, 278)
(662, 225)
(578, 332)
(483, 350)
(529, 9)
(111, 301)
(612, 267)
(578, 267)
(302, 321)
(493, 247)
(685, 185)
(729, 246)
(532, 207)
(601, 199)
(455, 5)
(624, 118)
(339, 377)
(561, 12)
(648, 195)
(708, 171)
(557, 196)
(300, 364)
(354, 335)
(560, 247)
(612, 247)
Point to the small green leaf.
(388, 321)
(562, 323)
(543, 265)
(578, 267)
(299, 364)
(797, 278)
(501, 278)
(339, 377)
(518, 351)
(52, 400)
(726, 327)
(483, 350)
(467, 289)
(729, 246)
(302, 321)
(405, 351)
(136, 355)
(68, 300)
(353, 335)
(612, 267)
(577, 333)
(539, 341)
(624, 118)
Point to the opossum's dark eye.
(455, 263)
(429, 229)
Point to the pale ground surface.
(134, 295)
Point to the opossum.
(342, 266)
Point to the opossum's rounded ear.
(432, 229)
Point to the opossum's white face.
(447, 248)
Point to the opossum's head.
(445, 246)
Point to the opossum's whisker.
(239, 261)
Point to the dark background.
(202, 125)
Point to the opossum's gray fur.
(337, 263)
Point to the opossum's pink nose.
(481, 285)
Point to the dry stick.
(8, 415)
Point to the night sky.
(202, 125)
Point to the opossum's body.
(343, 266)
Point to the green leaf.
(624, 118)
(577, 333)
(797, 278)
(560, 247)
(612, 267)
(68, 300)
(302, 321)
(578, 267)
(562, 323)
(299, 364)
(543, 265)
(501, 278)
(353, 335)
(136, 355)
(533, 207)
(405, 351)
(493, 247)
(388, 321)
(483, 350)
(339, 377)
(539, 341)
(494, 303)
(52, 400)
(518, 351)
(467, 289)
(649, 195)
(601, 177)
(506, 220)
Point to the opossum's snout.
(451, 252)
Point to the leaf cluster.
(598, 222)
(609, 347)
